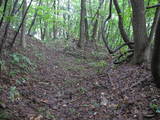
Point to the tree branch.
(153, 6)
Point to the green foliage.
(1, 89)
(19, 58)
(13, 73)
(22, 62)
(4, 115)
(21, 80)
(82, 90)
(155, 107)
(72, 110)
(98, 64)
(13, 94)
(2, 65)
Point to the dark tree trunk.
(6, 27)
(1, 2)
(139, 31)
(155, 21)
(23, 19)
(155, 64)
(18, 9)
(82, 38)
(3, 13)
(34, 19)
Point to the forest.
(79, 59)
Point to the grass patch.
(98, 64)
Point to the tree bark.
(155, 63)
(3, 13)
(139, 31)
(26, 11)
(154, 24)
(82, 38)
(7, 26)
(23, 41)
(34, 18)
(1, 2)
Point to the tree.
(83, 36)
(139, 31)
(34, 18)
(1, 2)
(3, 13)
(23, 19)
(155, 64)
(23, 42)
(95, 25)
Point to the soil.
(60, 86)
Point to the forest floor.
(59, 85)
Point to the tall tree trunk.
(82, 38)
(54, 21)
(139, 30)
(95, 25)
(153, 27)
(7, 26)
(23, 41)
(23, 19)
(155, 63)
(34, 18)
(68, 17)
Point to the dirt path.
(67, 88)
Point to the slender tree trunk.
(7, 26)
(42, 30)
(1, 2)
(120, 24)
(23, 41)
(23, 19)
(68, 7)
(54, 21)
(155, 21)
(34, 18)
(82, 38)
(3, 13)
(18, 9)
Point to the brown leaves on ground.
(64, 87)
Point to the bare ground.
(64, 87)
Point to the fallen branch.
(118, 61)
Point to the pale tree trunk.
(68, 17)
(82, 38)
(139, 31)
(54, 21)
(23, 41)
